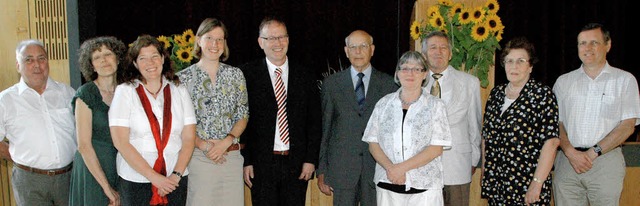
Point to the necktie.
(435, 89)
(281, 98)
(360, 91)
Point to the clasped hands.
(216, 149)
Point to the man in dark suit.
(346, 167)
(283, 133)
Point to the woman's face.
(149, 63)
(411, 75)
(517, 66)
(212, 44)
(104, 62)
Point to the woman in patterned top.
(520, 133)
(219, 96)
(406, 134)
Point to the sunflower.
(492, 6)
(455, 9)
(465, 16)
(437, 22)
(479, 32)
(433, 10)
(415, 30)
(498, 33)
(445, 2)
(179, 40)
(187, 35)
(477, 15)
(165, 41)
(493, 22)
(184, 54)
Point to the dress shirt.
(127, 111)
(425, 124)
(591, 108)
(365, 79)
(40, 128)
(279, 145)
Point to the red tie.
(281, 98)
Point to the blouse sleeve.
(120, 111)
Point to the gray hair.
(411, 56)
(346, 39)
(24, 44)
(433, 34)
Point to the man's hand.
(580, 161)
(248, 175)
(324, 188)
(307, 171)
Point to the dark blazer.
(303, 110)
(343, 154)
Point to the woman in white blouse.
(406, 134)
(153, 127)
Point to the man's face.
(592, 49)
(359, 51)
(33, 66)
(274, 40)
(438, 53)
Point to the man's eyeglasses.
(412, 70)
(362, 46)
(519, 61)
(272, 39)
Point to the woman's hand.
(396, 175)
(164, 184)
(533, 193)
(219, 150)
(113, 195)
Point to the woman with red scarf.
(153, 127)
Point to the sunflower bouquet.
(474, 33)
(180, 47)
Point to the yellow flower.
(480, 32)
(477, 15)
(188, 36)
(492, 6)
(415, 30)
(437, 22)
(445, 2)
(455, 9)
(433, 10)
(180, 41)
(498, 33)
(493, 22)
(165, 41)
(465, 16)
(184, 54)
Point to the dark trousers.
(134, 194)
(278, 184)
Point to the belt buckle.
(51, 172)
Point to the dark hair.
(604, 30)
(411, 56)
(269, 20)
(433, 34)
(206, 26)
(94, 44)
(131, 73)
(520, 43)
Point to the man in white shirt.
(461, 94)
(598, 106)
(37, 119)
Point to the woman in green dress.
(94, 176)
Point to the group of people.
(414, 138)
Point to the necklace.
(154, 93)
(510, 88)
(408, 103)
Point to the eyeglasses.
(593, 43)
(272, 39)
(412, 70)
(216, 40)
(518, 62)
(355, 47)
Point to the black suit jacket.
(303, 110)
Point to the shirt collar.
(22, 86)
(272, 67)
(367, 72)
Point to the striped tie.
(281, 98)
(360, 92)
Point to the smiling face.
(517, 66)
(438, 53)
(359, 50)
(212, 44)
(411, 75)
(104, 61)
(149, 63)
(277, 43)
(592, 49)
(33, 66)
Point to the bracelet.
(535, 179)
(206, 148)
(236, 140)
(229, 134)
(177, 174)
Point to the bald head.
(359, 49)
(359, 33)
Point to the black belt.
(582, 149)
(51, 172)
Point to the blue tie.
(360, 91)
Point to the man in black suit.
(283, 133)
(346, 167)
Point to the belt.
(283, 153)
(51, 172)
(235, 147)
(582, 149)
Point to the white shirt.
(279, 145)
(591, 108)
(425, 124)
(40, 128)
(461, 94)
(127, 111)
(365, 79)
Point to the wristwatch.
(597, 149)
(177, 174)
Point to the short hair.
(131, 73)
(206, 26)
(346, 39)
(24, 44)
(89, 46)
(520, 43)
(413, 56)
(603, 29)
(434, 34)
(270, 20)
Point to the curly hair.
(131, 73)
(95, 44)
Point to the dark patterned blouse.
(513, 141)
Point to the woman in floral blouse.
(406, 134)
(520, 133)
(219, 96)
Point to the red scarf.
(161, 141)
